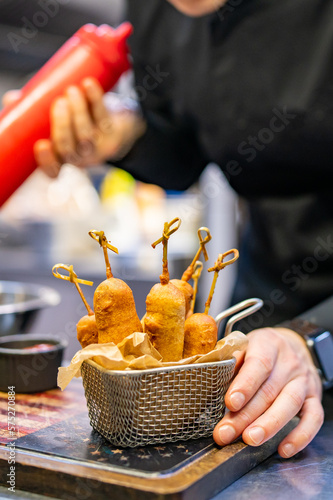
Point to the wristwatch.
(320, 344)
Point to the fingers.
(60, 148)
(81, 132)
(239, 356)
(10, 97)
(266, 409)
(62, 133)
(312, 417)
(251, 376)
(276, 381)
(259, 363)
(284, 408)
(46, 158)
(78, 108)
(95, 93)
(73, 132)
(77, 120)
(260, 420)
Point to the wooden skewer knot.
(72, 276)
(219, 264)
(100, 237)
(167, 231)
(203, 241)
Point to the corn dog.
(165, 309)
(114, 305)
(200, 335)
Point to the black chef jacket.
(249, 87)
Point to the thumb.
(10, 97)
(239, 355)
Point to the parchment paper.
(136, 352)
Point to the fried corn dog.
(186, 289)
(201, 329)
(114, 305)
(165, 309)
(86, 329)
(200, 334)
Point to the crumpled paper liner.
(136, 352)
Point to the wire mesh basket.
(141, 407)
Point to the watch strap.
(310, 331)
(301, 326)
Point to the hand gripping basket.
(141, 407)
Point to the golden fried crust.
(200, 334)
(87, 330)
(165, 319)
(115, 311)
(187, 290)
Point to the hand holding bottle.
(83, 131)
(92, 52)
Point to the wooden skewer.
(167, 232)
(72, 277)
(218, 266)
(100, 237)
(188, 273)
(195, 276)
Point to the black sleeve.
(167, 155)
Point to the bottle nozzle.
(119, 35)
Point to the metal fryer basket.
(141, 407)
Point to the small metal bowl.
(27, 370)
(20, 303)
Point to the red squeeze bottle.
(99, 52)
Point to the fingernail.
(73, 91)
(60, 104)
(257, 435)
(237, 399)
(88, 81)
(52, 170)
(227, 434)
(288, 450)
(89, 85)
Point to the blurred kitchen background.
(47, 221)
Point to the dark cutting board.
(58, 454)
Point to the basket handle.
(244, 309)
